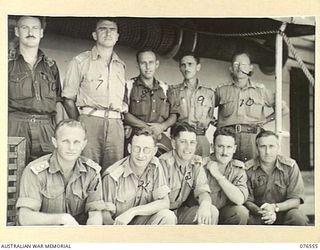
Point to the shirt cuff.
(95, 206)
(201, 189)
(111, 207)
(28, 202)
(70, 96)
(160, 192)
(293, 196)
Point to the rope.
(298, 58)
(258, 33)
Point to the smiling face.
(189, 67)
(29, 31)
(69, 142)
(142, 149)
(148, 63)
(224, 148)
(268, 148)
(106, 34)
(185, 145)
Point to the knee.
(241, 211)
(295, 217)
(234, 215)
(167, 217)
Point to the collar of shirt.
(198, 85)
(55, 166)
(114, 57)
(251, 84)
(257, 164)
(18, 55)
(227, 169)
(140, 82)
(182, 166)
(127, 170)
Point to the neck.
(66, 166)
(148, 82)
(29, 54)
(192, 82)
(105, 53)
(242, 82)
(138, 170)
(182, 161)
(268, 166)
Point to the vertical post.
(278, 108)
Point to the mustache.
(30, 36)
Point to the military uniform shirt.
(33, 90)
(91, 82)
(194, 106)
(150, 105)
(242, 106)
(43, 189)
(235, 173)
(285, 182)
(123, 189)
(182, 179)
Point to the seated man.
(227, 180)
(62, 188)
(135, 189)
(185, 173)
(275, 185)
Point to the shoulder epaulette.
(249, 164)
(168, 158)
(82, 56)
(224, 84)
(286, 160)
(40, 164)
(115, 170)
(49, 61)
(90, 163)
(238, 163)
(258, 85)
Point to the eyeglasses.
(137, 149)
(238, 64)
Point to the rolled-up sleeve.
(95, 199)
(30, 195)
(109, 191)
(72, 80)
(250, 187)
(161, 188)
(296, 187)
(240, 181)
(201, 182)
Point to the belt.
(31, 117)
(103, 113)
(244, 128)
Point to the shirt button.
(153, 100)
(153, 111)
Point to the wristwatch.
(276, 208)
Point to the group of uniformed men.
(185, 184)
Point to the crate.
(16, 164)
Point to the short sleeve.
(109, 193)
(240, 181)
(269, 97)
(72, 80)
(30, 195)
(295, 189)
(161, 188)
(201, 181)
(95, 199)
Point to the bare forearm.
(71, 108)
(288, 204)
(170, 121)
(94, 218)
(134, 121)
(253, 208)
(151, 208)
(204, 198)
(28, 217)
(232, 192)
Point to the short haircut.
(225, 132)
(266, 133)
(145, 50)
(70, 123)
(110, 19)
(190, 54)
(241, 51)
(42, 20)
(181, 127)
(138, 132)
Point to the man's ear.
(198, 67)
(157, 64)
(235, 148)
(16, 31)
(54, 142)
(84, 143)
(41, 33)
(94, 35)
(155, 150)
(129, 148)
(173, 143)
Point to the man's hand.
(268, 217)
(68, 220)
(214, 170)
(203, 215)
(124, 218)
(268, 207)
(156, 128)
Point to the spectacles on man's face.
(238, 64)
(145, 150)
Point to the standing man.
(135, 189)
(33, 91)
(185, 173)
(62, 188)
(94, 88)
(275, 185)
(150, 100)
(195, 102)
(241, 105)
(227, 180)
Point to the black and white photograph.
(188, 122)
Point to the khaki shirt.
(242, 106)
(235, 173)
(149, 105)
(93, 83)
(194, 106)
(33, 90)
(43, 189)
(123, 189)
(182, 179)
(285, 182)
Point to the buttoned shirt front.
(91, 82)
(36, 89)
(150, 105)
(235, 173)
(242, 105)
(285, 181)
(123, 189)
(43, 188)
(183, 178)
(195, 106)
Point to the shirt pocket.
(139, 106)
(53, 199)
(124, 202)
(183, 108)
(94, 85)
(163, 106)
(80, 195)
(48, 85)
(255, 110)
(227, 107)
(20, 86)
(203, 109)
(280, 191)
